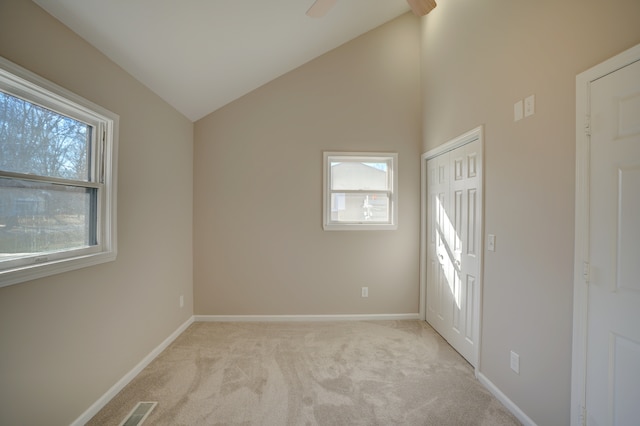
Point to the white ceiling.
(199, 55)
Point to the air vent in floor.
(137, 416)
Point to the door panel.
(472, 209)
(628, 267)
(469, 316)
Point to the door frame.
(468, 137)
(581, 238)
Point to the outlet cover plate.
(515, 362)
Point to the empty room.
(207, 242)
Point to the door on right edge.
(613, 330)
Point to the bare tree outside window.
(36, 140)
(41, 210)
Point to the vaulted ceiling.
(199, 55)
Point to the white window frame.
(372, 157)
(24, 84)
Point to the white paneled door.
(613, 312)
(453, 246)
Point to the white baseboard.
(299, 318)
(104, 399)
(511, 406)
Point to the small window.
(360, 191)
(57, 182)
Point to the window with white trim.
(57, 178)
(360, 191)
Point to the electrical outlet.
(515, 362)
(182, 301)
(365, 291)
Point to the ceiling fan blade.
(320, 8)
(422, 7)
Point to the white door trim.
(581, 250)
(468, 137)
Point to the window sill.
(41, 270)
(359, 227)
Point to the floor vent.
(138, 415)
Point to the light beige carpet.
(320, 373)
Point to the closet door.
(453, 244)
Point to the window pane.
(359, 207)
(356, 175)
(40, 218)
(36, 140)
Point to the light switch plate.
(529, 105)
(517, 111)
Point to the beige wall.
(65, 340)
(259, 245)
(479, 58)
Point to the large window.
(360, 191)
(57, 181)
